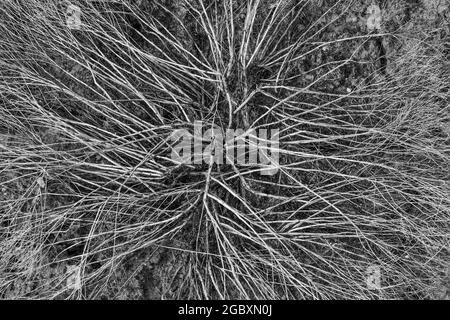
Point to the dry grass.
(85, 121)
